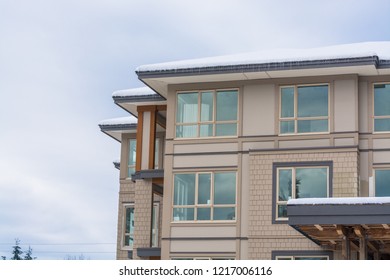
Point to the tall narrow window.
(155, 223)
(304, 109)
(207, 113)
(128, 239)
(381, 107)
(299, 182)
(131, 157)
(204, 196)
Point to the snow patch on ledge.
(141, 91)
(119, 121)
(356, 50)
(339, 200)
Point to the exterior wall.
(264, 234)
(350, 144)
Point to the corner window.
(128, 238)
(381, 107)
(206, 113)
(295, 181)
(304, 109)
(382, 182)
(131, 157)
(204, 196)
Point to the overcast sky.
(61, 60)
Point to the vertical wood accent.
(152, 138)
(139, 141)
(362, 248)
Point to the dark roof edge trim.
(139, 98)
(262, 67)
(115, 127)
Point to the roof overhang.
(116, 130)
(328, 223)
(130, 103)
(159, 80)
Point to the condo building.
(280, 154)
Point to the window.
(132, 157)
(206, 113)
(304, 109)
(299, 180)
(381, 107)
(302, 255)
(128, 236)
(382, 182)
(128, 239)
(204, 196)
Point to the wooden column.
(140, 124)
(361, 233)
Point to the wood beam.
(320, 228)
(385, 226)
(138, 157)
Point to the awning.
(359, 224)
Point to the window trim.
(304, 253)
(275, 179)
(373, 109)
(197, 205)
(374, 175)
(296, 118)
(214, 121)
(123, 235)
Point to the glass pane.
(206, 109)
(282, 211)
(382, 100)
(285, 184)
(287, 102)
(382, 182)
(382, 124)
(184, 193)
(187, 108)
(132, 151)
(186, 131)
(224, 213)
(227, 129)
(313, 101)
(206, 130)
(129, 220)
(156, 153)
(311, 182)
(227, 105)
(204, 186)
(130, 171)
(312, 126)
(287, 127)
(225, 188)
(183, 214)
(155, 212)
(204, 214)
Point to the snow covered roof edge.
(339, 200)
(345, 53)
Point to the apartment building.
(281, 154)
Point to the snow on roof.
(366, 49)
(141, 91)
(339, 200)
(119, 121)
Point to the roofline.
(138, 98)
(263, 67)
(116, 127)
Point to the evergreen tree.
(28, 255)
(17, 251)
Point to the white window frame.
(212, 206)
(293, 187)
(296, 118)
(213, 122)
